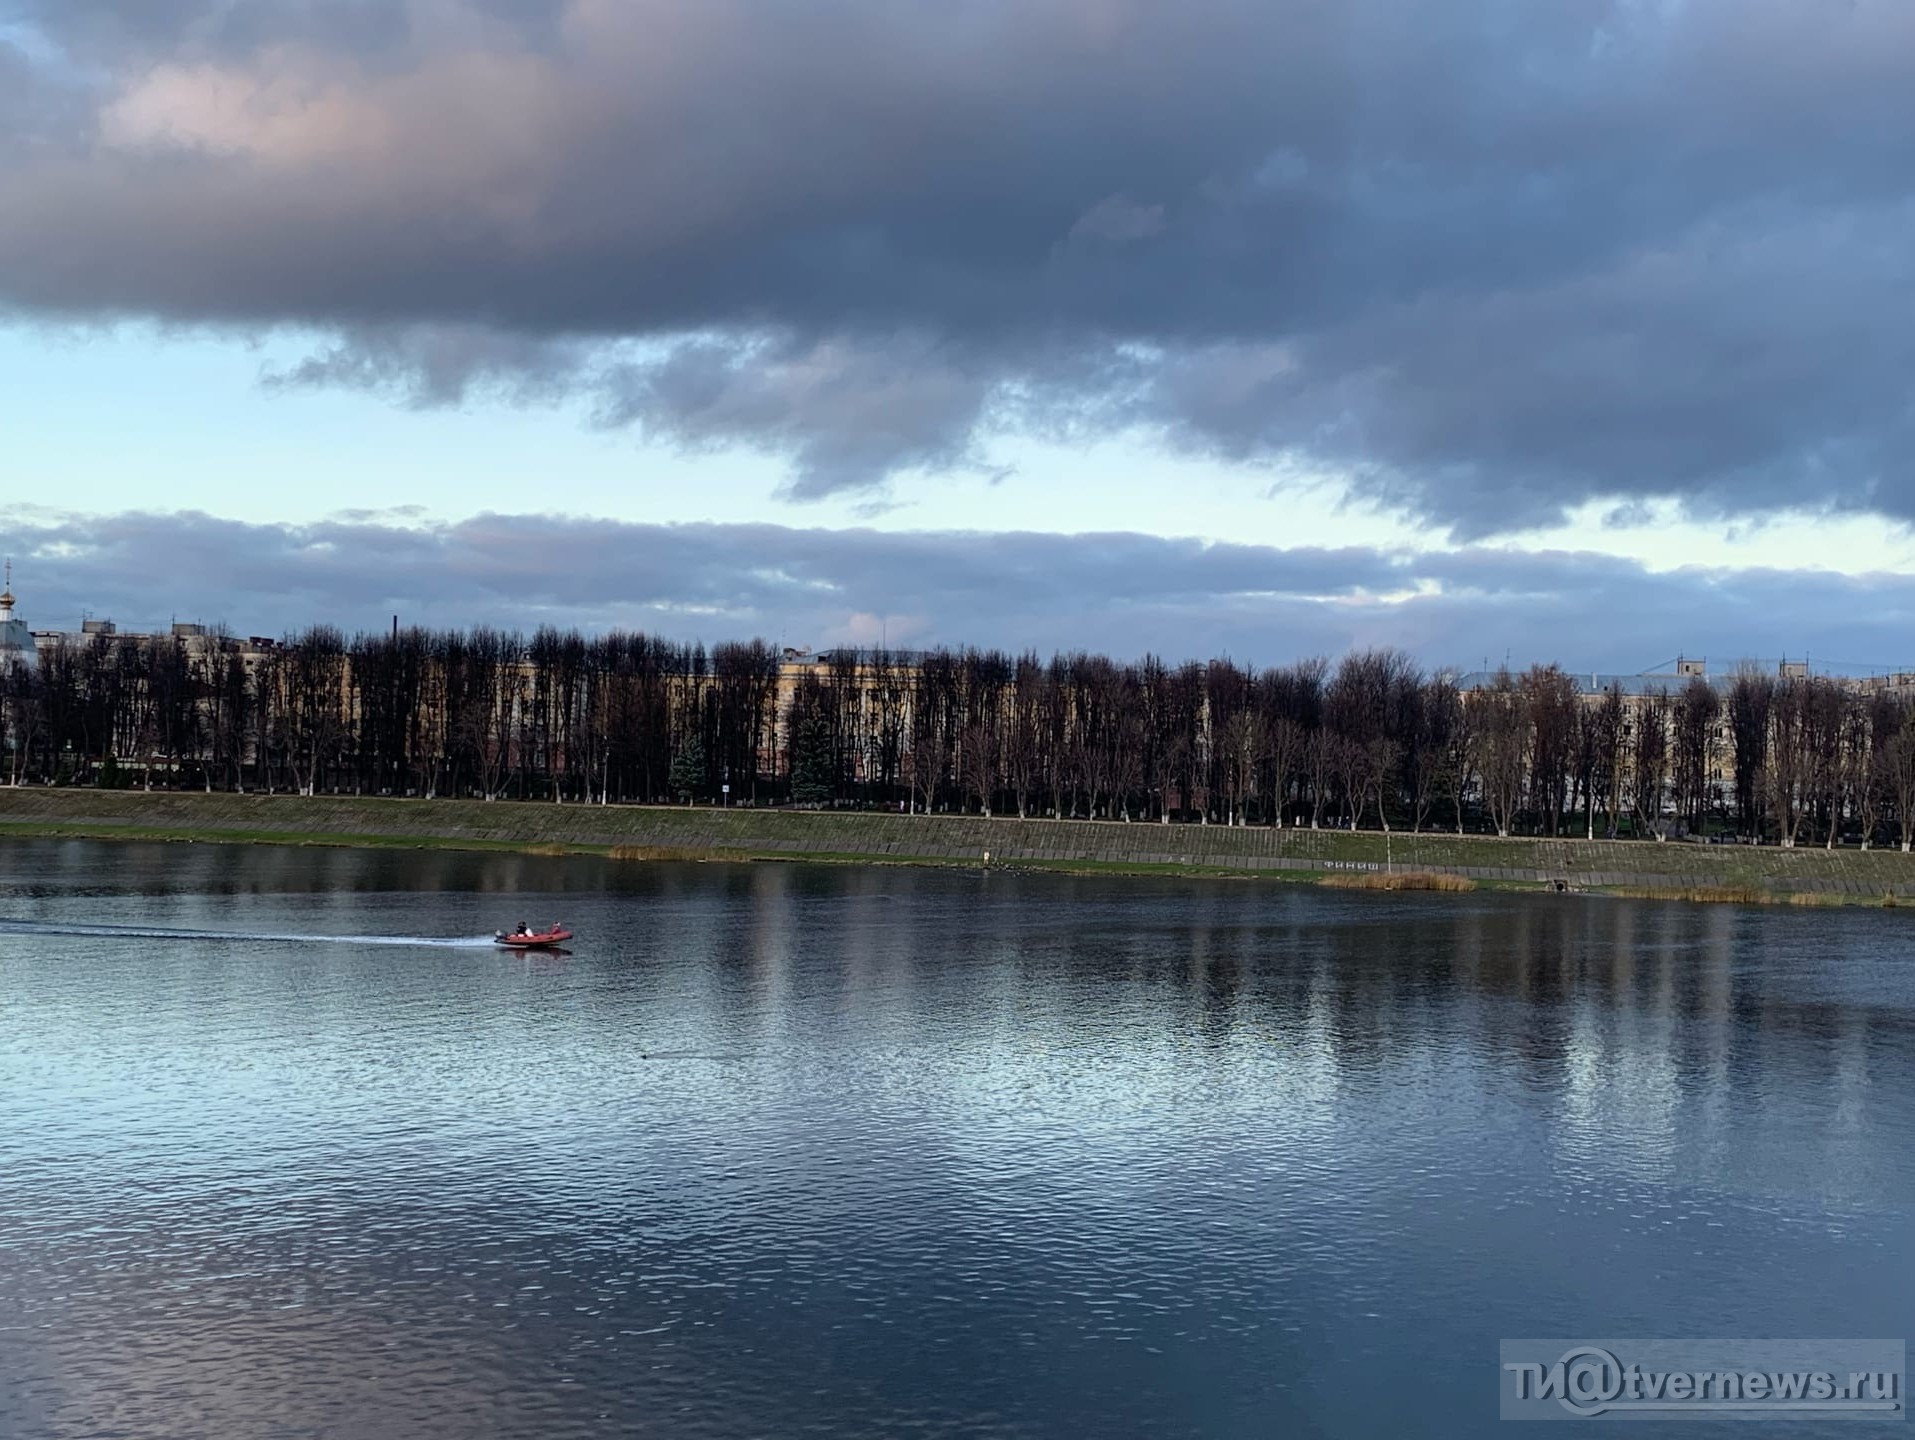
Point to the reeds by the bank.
(658, 852)
(1702, 894)
(1749, 895)
(1400, 880)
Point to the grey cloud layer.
(1120, 593)
(1490, 258)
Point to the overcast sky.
(1576, 330)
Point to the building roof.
(1596, 682)
(1591, 683)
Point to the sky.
(1492, 330)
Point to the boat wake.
(690, 1055)
(159, 932)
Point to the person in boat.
(523, 929)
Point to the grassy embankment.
(640, 833)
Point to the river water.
(784, 1151)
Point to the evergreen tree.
(812, 780)
(687, 776)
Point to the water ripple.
(846, 1153)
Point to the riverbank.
(637, 833)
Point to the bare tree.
(1885, 715)
(1024, 732)
(1649, 764)
(1462, 756)
(1284, 746)
(1380, 763)
(1292, 701)
(933, 727)
(1786, 777)
(1503, 749)
(1825, 735)
(22, 714)
(1434, 723)
(1693, 726)
(1898, 766)
(1320, 758)
(978, 760)
(1750, 698)
(1241, 746)
(1549, 700)
(1588, 763)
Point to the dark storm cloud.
(847, 415)
(1120, 593)
(1489, 258)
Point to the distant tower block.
(1686, 666)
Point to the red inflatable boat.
(534, 939)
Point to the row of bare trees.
(1785, 758)
(1370, 741)
(452, 713)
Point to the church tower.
(16, 641)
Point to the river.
(288, 1150)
